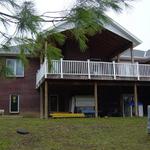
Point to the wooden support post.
(136, 99)
(148, 125)
(46, 100)
(137, 67)
(118, 58)
(132, 57)
(114, 69)
(46, 67)
(41, 59)
(41, 103)
(46, 48)
(96, 99)
(45, 59)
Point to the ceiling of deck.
(103, 45)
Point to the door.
(53, 104)
(128, 104)
(14, 104)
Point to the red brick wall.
(25, 88)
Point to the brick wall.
(25, 88)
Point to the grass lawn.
(75, 134)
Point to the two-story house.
(94, 81)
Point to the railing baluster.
(61, 61)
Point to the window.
(15, 68)
(14, 104)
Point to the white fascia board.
(62, 26)
(121, 31)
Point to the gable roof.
(113, 27)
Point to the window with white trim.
(15, 68)
(14, 103)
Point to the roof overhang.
(121, 31)
(103, 45)
(113, 26)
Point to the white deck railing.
(42, 72)
(92, 68)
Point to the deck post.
(118, 58)
(131, 51)
(148, 124)
(46, 100)
(136, 99)
(89, 75)
(114, 69)
(41, 103)
(46, 67)
(96, 99)
(61, 64)
(137, 66)
(45, 60)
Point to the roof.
(137, 54)
(113, 27)
(13, 50)
(147, 53)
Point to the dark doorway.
(127, 105)
(14, 104)
(53, 104)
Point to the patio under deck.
(92, 70)
(108, 96)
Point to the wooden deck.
(92, 70)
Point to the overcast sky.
(136, 19)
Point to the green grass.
(75, 134)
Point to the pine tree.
(88, 17)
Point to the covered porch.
(98, 98)
(100, 61)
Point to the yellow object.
(67, 115)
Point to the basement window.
(15, 68)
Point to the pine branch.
(7, 15)
(88, 17)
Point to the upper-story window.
(15, 68)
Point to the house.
(98, 81)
